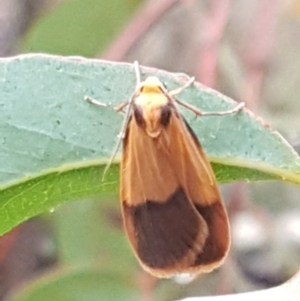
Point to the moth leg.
(200, 113)
(118, 108)
(180, 89)
(189, 107)
(234, 110)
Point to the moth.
(172, 209)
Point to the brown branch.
(16, 17)
(148, 15)
(258, 50)
(208, 55)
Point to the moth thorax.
(153, 118)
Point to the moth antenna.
(137, 72)
(121, 135)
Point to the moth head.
(152, 106)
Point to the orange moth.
(173, 213)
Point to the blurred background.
(248, 50)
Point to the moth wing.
(171, 205)
(202, 189)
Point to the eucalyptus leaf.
(54, 144)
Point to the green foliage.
(79, 27)
(87, 283)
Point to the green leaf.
(54, 144)
(79, 27)
(85, 283)
(82, 229)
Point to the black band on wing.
(165, 231)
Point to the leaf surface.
(54, 144)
